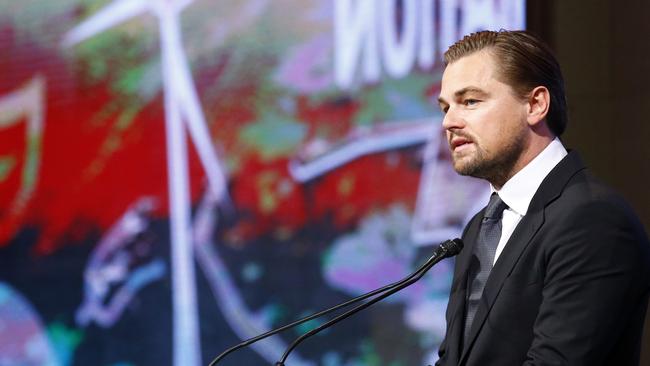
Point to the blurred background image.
(179, 175)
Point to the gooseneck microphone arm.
(303, 320)
(443, 251)
(447, 249)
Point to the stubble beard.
(495, 169)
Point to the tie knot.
(495, 207)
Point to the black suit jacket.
(570, 287)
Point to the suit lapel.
(521, 237)
(529, 225)
(459, 290)
(469, 239)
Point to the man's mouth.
(459, 142)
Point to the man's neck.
(520, 189)
(532, 150)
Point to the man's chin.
(463, 165)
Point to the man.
(555, 270)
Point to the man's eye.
(470, 102)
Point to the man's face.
(484, 120)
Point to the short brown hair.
(524, 62)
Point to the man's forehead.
(478, 65)
(469, 72)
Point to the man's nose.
(452, 120)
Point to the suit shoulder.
(585, 193)
(590, 209)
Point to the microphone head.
(452, 247)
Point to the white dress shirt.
(520, 189)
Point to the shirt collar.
(520, 189)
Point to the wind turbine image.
(182, 113)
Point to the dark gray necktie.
(483, 257)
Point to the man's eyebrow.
(469, 89)
(462, 92)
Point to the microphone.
(447, 249)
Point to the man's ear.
(539, 102)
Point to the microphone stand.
(446, 249)
(443, 251)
